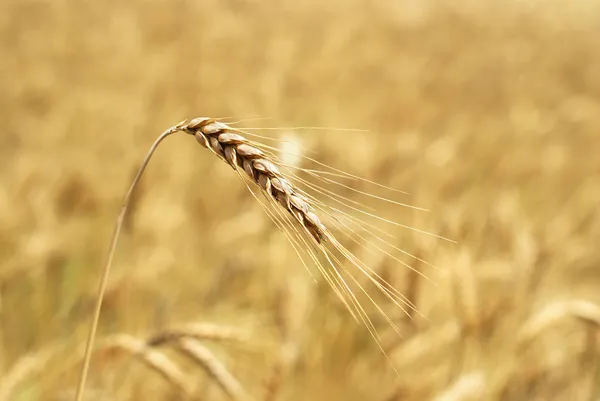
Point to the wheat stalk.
(311, 226)
(106, 270)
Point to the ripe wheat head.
(315, 229)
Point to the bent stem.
(106, 271)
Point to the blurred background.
(488, 113)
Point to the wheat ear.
(299, 221)
(198, 331)
(155, 360)
(239, 152)
(303, 227)
(26, 367)
(215, 369)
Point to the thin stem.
(106, 271)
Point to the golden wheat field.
(487, 113)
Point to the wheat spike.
(239, 152)
(470, 386)
(198, 331)
(301, 218)
(155, 360)
(580, 309)
(26, 367)
(298, 214)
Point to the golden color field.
(487, 113)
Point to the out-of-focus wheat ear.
(27, 366)
(152, 358)
(409, 352)
(470, 386)
(198, 331)
(215, 369)
(465, 295)
(553, 313)
(581, 310)
(107, 266)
